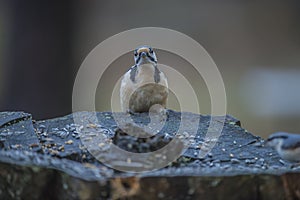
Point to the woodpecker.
(287, 145)
(144, 87)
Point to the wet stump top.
(55, 159)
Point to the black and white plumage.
(144, 85)
(287, 145)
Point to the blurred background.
(255, 44)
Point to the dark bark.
(33, 164)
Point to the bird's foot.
(129, 111)
(295, 165)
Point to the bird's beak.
(144, 54)
(266, 143)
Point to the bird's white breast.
(140, 95)
(291, 155)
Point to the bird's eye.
(150, 50)
(135, 53)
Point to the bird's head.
(277, 139)
(144, 55)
